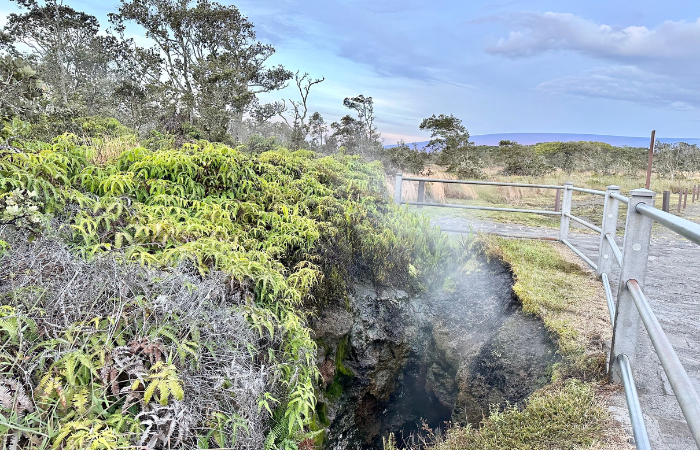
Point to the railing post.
(609, 225)
(666, 203)
(421, 193)
(398, 186)
(680, 201)
(685, 198)
(635, 256)
(565, 209)
(557, 201)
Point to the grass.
(571, 412)
(568, 415)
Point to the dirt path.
(673, 289)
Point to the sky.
(505, 66)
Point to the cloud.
(649, 66)
(536, 33)
(626, 83)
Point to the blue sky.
(600, 67)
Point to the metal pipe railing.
(584, 223)
(681, 383)
(641, 438)
(609, 297)
(686, 228)
(613, 246)
(588, 191)
(485, 208)
(484, 183)
(581, 255)
(621, 198)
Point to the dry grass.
(109, 148)
(434, 192)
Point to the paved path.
(673, 289)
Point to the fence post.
(565, 209)
(685, 198)
(609, 225)
(680, 200)
(398, 186)
(666, 203)
(421, 193)
(557, 201)
(635, 256)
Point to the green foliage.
(405, 159)
(522, 160)
(291, 228)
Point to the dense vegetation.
(160, 297)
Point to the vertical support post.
(685, 198)
(421, 193)
(666, 203)
(557, 201)
(565, 209)
(609, 225)
(680, 201)
(651, 159)
(398, 186)
(635, 256)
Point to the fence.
(682, 198)
(630, 308)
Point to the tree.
(672, 159)
(348, 133)
(317, 129)
(365, 114)
(449, 137)
(522, 159)
(300, 109)
(20, 88)
(406, 159)
(71, 57)
(358, 136)
(211, 65)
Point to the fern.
(162, 379)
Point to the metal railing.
(631, 307)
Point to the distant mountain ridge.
(534, 138)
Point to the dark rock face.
(389, 360)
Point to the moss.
(341, 353)
(343, 374)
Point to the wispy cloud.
(652, 66)
(536, 33)
(627, 83)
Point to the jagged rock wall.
(388, 358)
